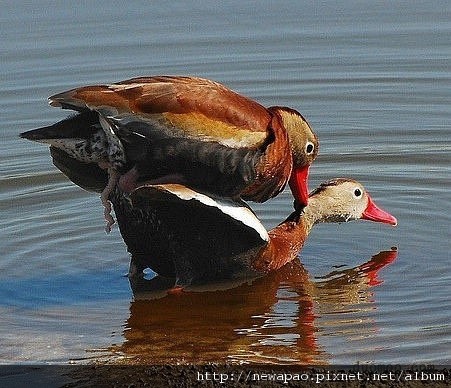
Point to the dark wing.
(204, 238)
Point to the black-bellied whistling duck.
(181, 233)
(186, 130)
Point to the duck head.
(304, 147)
(342, 200)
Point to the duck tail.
(77, 126)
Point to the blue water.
(374, 82)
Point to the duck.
(183, 130)
(196, 238)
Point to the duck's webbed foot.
(113, 177)
(128, 181)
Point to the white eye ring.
(309, 148)
(357, 193)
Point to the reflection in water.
(269, 320)
(345, 298)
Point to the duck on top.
(184, 130)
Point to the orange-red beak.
(373, 213)
(299, 184)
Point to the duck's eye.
(309, 148)
(357, 193)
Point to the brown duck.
(185, 130)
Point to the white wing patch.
(231, 208)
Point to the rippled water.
(374, 82)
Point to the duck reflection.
(272, 319)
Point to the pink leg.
(127, 182)
(171, 178)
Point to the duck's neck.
(288, 238)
